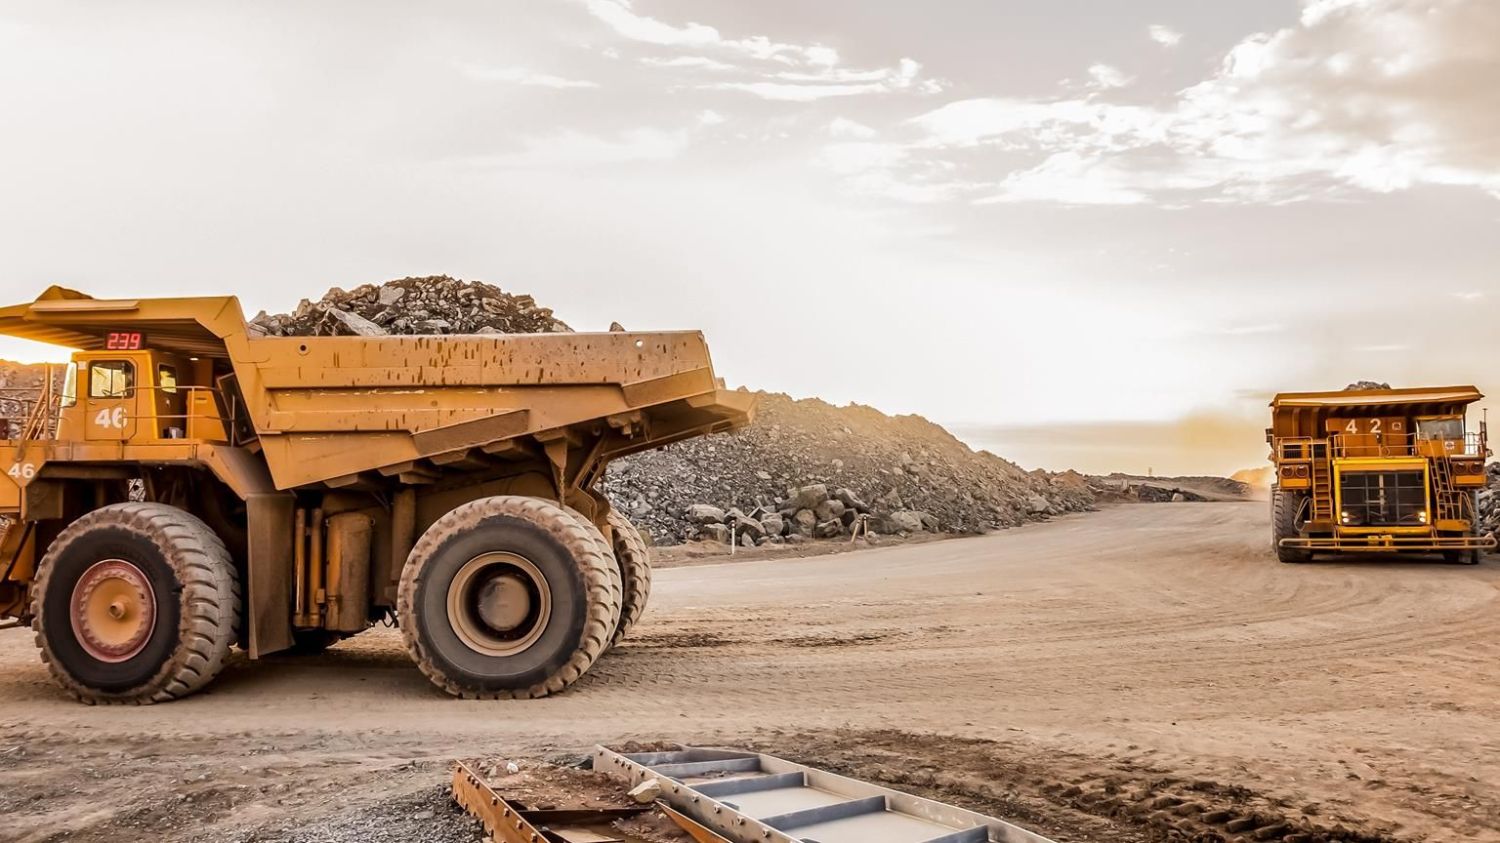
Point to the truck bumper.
(1389, 544)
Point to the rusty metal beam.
(510, 823)
(499, 817)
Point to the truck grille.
(1383, 499)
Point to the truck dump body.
(331, 408)
(1377, 470)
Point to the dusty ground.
(1075, 676)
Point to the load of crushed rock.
(807, 469)
(1489, 503)
(435, 304)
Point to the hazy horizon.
(1080, 235)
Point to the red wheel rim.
(113, 610)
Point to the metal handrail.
(155, 418)
(1301, 448)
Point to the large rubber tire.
(1285, 506)
(191, 579)
(1461, 557)
(583, 605)
(634, 560)
(616, 581)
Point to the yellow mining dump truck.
(1393, 470)
(194, 487)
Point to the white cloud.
(622, 18)
(521, 76)
(843, 127)
(688, 62)
(1069, 178)
(1370, 95)
(1470, 295)
(769, 69)
(571, 149)
(1103, 77)
(1164, 35)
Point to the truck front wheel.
(507, 596)
(136, 603)
(1288, 514)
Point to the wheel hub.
(499, 604)
(113, 610)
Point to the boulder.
(702, 513)
(804, 522)
(749, 528)
(903, 521)
(829, 510)
(808, 497)
(1038, 504)
(714, 533)
(775, 525)
(829, 529)
(356, 324)
(851, 500)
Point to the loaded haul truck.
(192, 487)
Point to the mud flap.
(268, 592)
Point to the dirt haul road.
(1096, 677)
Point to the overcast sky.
(1119, 219)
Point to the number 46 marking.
(111, 417)
(22, 471)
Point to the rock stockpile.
(20, 384)
(807, 469)
(1489, 503)
(435, 304)
(1196, 489)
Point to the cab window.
(70, 385)
(111, 378)
(1444, 428)
(166, 379)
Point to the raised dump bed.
(749, 797)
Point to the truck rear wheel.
(136, 603)
(635, 572)
(507, 597)
(1288, 514)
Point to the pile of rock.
(20, 385)
(1130, 488)
(432, 305)
(806, 468)
(1489, 503)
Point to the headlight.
(1422, 516)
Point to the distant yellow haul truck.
(1393, 470)
(193, 487)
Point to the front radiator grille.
(1383, 499)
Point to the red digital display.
(125, 341)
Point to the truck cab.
(135, 394)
